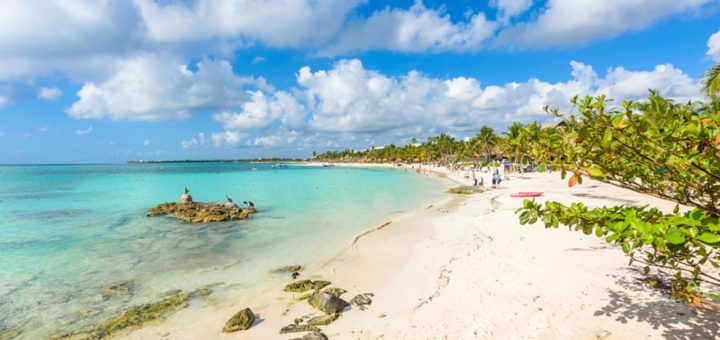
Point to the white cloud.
(565, 23)
(713, 45)
(351, 99)
(193, 143)
(146, 142)
(277, 23)
(38, 37)
(510, 8)
(228, 138)
(416, 29)
(262, 110)
(159, 87)
(49, 93)
(82, 132)
(42, 129)
(670, 81)
(259, 59)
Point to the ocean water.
(68, 232)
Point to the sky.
(105, 81)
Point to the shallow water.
(68, 231)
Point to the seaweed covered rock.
(196, 212)
(139, 315)
(288, 269)
(305, 285)
(323, 320)
(293, 328)
(362, 301)
(327, 303)
(241, 321)
(465, 190)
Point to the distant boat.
(279, 166)
(328, 165)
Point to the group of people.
(496, 179)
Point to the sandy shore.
(466, 269)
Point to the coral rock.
(202, 212)
(327, 303)
(305, 285)
(241, 321)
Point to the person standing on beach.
(474, 177)
(496, 179)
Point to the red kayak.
(527, 194)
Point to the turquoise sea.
(68, 232)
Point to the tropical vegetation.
(655, 146)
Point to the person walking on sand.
(474, 178)
(496, 179)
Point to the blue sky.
(108, 81)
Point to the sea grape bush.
(655, 147)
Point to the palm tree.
(711, 84)
(445, 145)
(486, 141)
(514, 140)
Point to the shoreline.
(467, 269)
(169, 328)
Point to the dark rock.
(202, 212)
(305, 285)
(241, 321)
(327, 303)
(323, 320)
(335, 291)
(362, 300)
(293, 328)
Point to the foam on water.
(68, 231)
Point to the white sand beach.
(466, 269)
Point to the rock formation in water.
(195, 212)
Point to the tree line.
(655, 146)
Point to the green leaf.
(595, 172)
(542, 166)
(617, 118)
(675, 237)
(607, 137)
(708, 238)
